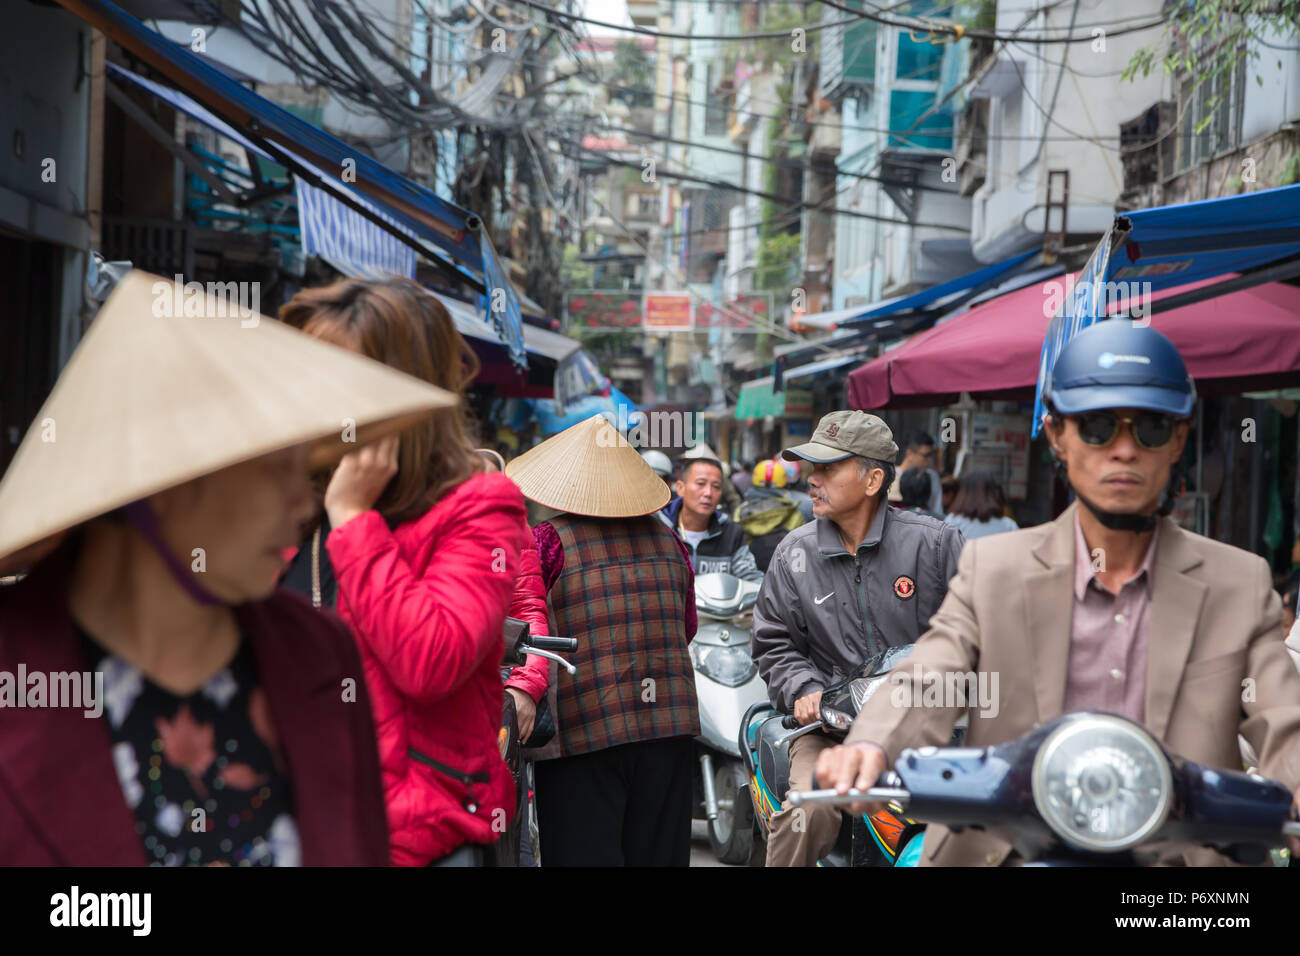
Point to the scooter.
(726, 683)
(1085, 789)
(886, 838)
(519, 644)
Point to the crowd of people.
(299, 630)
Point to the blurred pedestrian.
(918, 452)
(423, 549)
(768, 513)
(660, 464)
(232, 728)
(616, 787)
(742, 478)
(797, 488)
(979, 508)
(948, 486)
(915, 487)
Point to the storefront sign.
(667, 312)
(1010, 432)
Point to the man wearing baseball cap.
(857, 579)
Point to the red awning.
(1242, 341)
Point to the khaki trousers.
(801, 837)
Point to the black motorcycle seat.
(774, 763)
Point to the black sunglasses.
(1150, 429)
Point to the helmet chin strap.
(1119, 521)
(1122, 521)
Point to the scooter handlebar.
(559, 645)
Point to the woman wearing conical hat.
(161, 701)
(617, 787)
(419, 549)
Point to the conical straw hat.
(152, 399)
(703, 451)
(589, 469)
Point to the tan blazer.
(1217, 665)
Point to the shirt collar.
(828, 533)
(1083, 569)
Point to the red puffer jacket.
(529, 604)
(427, 603)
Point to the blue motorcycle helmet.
(1113, 364)
(1116, 363)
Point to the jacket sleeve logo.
(904, 586)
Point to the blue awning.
(1151, 250)
(954, 289)
(1175, 245)
(825, 365)
(352, 243)
(578, 374)
(444, 224)
(618, 409)
(539, 342)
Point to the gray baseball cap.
(841, 435)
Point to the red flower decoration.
(241, 776)
(188, 746)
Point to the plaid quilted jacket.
(624, 593)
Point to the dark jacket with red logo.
(823, 611)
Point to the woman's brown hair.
(979, 496)
(397, 322)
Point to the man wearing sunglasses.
(1111, 607)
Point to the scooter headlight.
(1102, 784)
(729, 666)
(836, 719)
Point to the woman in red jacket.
(420, 551)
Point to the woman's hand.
(525, 712)
(360, 479)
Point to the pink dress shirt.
(1108, 637)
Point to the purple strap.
(145, 521)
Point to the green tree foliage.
(787, 17)
(778, 264)
(1209, 40)
(574, 273)
(634, 69)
